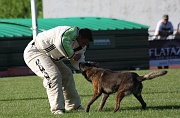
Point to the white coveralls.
(44, 56)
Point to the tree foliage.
(19, 8)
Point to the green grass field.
(25, 97)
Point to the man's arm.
(75, 63)
(64, 43)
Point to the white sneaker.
(59, 112)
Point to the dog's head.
(84, 66)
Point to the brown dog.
(107, 82)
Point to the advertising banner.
(164, 53)
(102, 43)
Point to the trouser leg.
(44, 67)
(72, 98)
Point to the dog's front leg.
(93, 98)
(103, 101)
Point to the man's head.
(85, 37)
(165, 18)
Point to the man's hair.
(86, 33)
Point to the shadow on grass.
(19, 99)
(88, 95)
(157, 92)
(163, 107)
(148, 108)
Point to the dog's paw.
(144, 106)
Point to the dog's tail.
(152, 75)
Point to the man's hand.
(165, 33)
(76, 57)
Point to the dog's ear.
(92, 64)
